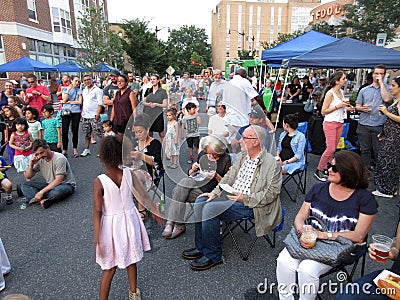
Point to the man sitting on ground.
(256, 180)
(54, 167)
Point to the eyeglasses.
(121, 81)
(333, 167)
(249, 138)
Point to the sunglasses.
(333, 167)
(31, 81)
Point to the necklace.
(143, 144)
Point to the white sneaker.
(379, 194)
(85, 152)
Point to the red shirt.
(37, 101)
(60, 87)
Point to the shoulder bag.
(309, 106)
(330, 252)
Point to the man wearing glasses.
(92, 106)
(254, 182)
(37, 95)
(371, 121)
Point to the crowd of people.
(246, 175)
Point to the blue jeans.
(60, 192)
(208, 216)
(366, 287)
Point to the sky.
(164, 13)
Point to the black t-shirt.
(293, 88)
(223, 165)
(304, 91)
(110, 91)
(287, 151)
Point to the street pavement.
(53, 257)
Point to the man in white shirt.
(237, 97)
(91, 109)
(216, 91)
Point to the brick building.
(45, 30)
(243, 25)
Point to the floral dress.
(388, 167)
(170, 147)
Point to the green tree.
(282, 38)
(367, 18)
(116, 52)
(245, 54)
(182, 44)
(145, 51)
(94, 37)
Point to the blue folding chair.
(247, 223)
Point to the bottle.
(162, 203)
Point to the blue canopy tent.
(70, 66)
(104, 68)
(347, 53)
(26, 64)
(297, 46)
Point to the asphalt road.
(52, 253)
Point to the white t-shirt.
(237, 97)
(217, 125)
(91, 99)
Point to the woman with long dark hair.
(71, 103)
(154, 103)
(388, 165)
(333, 109)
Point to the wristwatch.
(286, 162)
(330, 235)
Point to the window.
(61, 21)
(32, 10)
(56, 20)
(2, 57)
(85, 4)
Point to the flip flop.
(143, 214)
(167, 230)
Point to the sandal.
(168, 229)
(76, 154)
(143, 214)
(178, 230)
(45, 203)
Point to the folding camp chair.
(299, 176)
(246, 224)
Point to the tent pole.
(280, 104)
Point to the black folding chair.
(349, 273)
(299, 177)
(246, 224)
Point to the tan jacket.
(264, 191)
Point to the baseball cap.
(322, 78)
(13, 81)
(115, 73)
(257, 112)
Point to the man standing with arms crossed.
(371, 121)
(91, 109)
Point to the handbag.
(65, 112)
(309, 106)
(330, 252)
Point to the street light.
(241, 33)
(159, 29)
